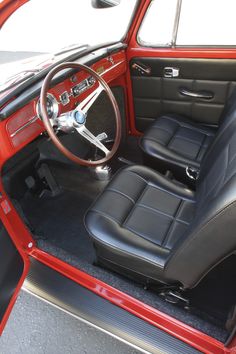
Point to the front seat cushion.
(138, 219)
(173, 142)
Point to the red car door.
(14, 266)
(14, 262)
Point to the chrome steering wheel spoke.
(83, 131)
(86, 104)
(75, 120)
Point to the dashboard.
(25, 124)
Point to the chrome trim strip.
(112, 67)
(67, 98)
(176, 23)
(205, 95)
(32, 120)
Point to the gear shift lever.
(102, 173)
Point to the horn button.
(79, 117)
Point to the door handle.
(143, 69)
(205, 95)
(171, 72)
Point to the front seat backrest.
(227, 125)
(229, 107)
(212, 234)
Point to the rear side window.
(170, 23)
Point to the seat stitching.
(122, 250)
(132, 209)
(222, 178)
(126, 227)
(195, 233)
(145, 237)
(155, 140)
(121, 193)
(166, 191)
(179, 209)
(201, 147)
(162, 213)
(189, 126)
(158, 187)
(161, 128)
(205, 145)
(170, 141)
(185, 155)
(189, 140)
(219, 182)
(232, 159)
(134, 173)
(174, 218)
(209, 191)
(107, 216)
(228, 162)
(168, 234)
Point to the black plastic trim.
(12, 267)
(53, 287)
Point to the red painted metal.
(19, 121)
(11, 144)
(210, 53)
(11, 222)
(7, 7)
(21, 235)
(121, 82)
(232, 346)
(110, 71)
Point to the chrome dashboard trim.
(55, 105)
(88, 82)
(30, 121)
(65, 101)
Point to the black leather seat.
(174, 143)
(147, 225)
(140, 216)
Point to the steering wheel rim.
(49, 127)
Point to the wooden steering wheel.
(76, 119)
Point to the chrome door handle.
(171, 72)
(206, 95)
(142, 68)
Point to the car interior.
(155, 220)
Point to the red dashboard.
(24, 125)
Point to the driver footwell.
(58, 228)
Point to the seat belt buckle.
(192, 173)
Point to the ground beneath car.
(36, 327)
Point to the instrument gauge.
(52, 107)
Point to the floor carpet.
(59, 229)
